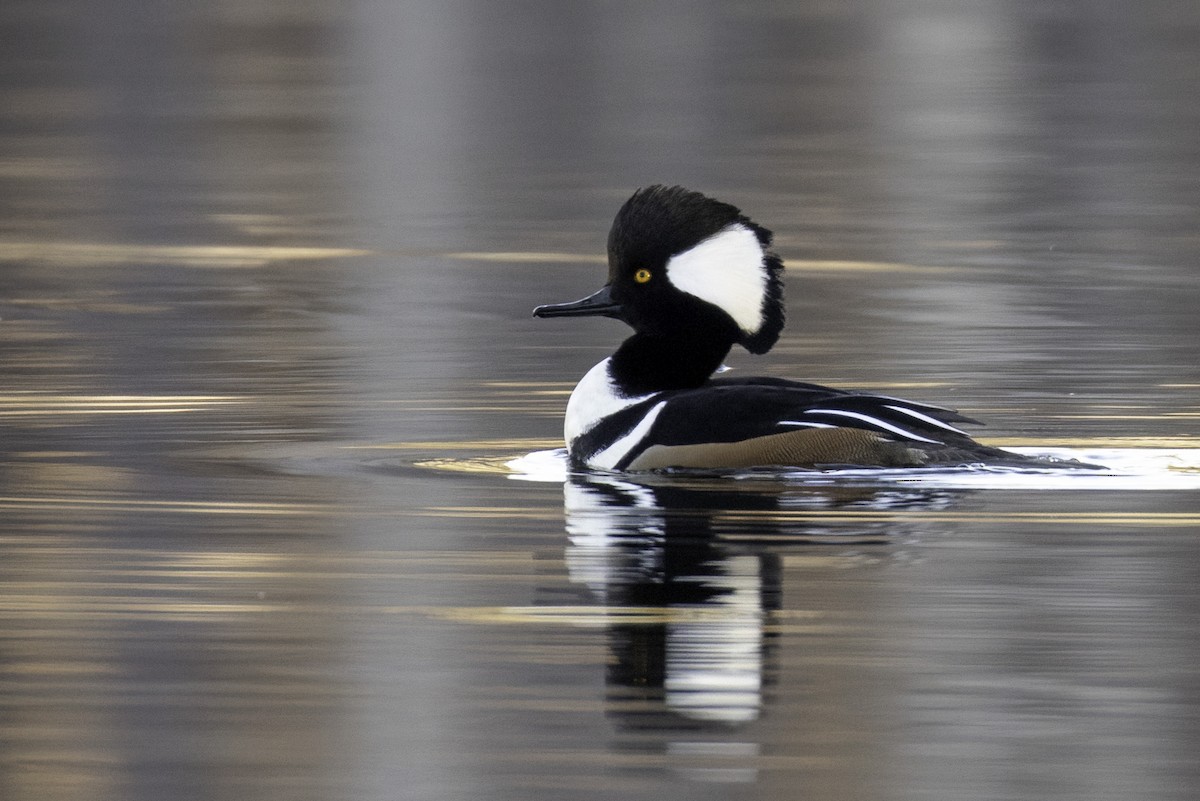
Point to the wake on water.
(1124, 469)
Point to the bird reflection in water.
(690, 571)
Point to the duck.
(693, 276)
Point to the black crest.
(658, 222)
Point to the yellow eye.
(642, 276)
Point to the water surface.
(267, 275)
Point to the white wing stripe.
(874, 422)
(803, 424)
(608, 458)
(924, 418)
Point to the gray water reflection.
(264, 266)
(690, 572)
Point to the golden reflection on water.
(806, 265)
(488, 513)
(94, 504)
(1114, 416)
(76, 581)
(1115, 442)
(602, 616)
(85, 254)
(89, 254)
(530, 257)
(496, 465)
(460, 445)
(32, 404)
(785, 518)
(1157, 519)
(97, 302)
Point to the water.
(282, 511)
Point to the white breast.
(595, 397)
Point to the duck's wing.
(740, 422)
(729, 410)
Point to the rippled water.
(284, 514)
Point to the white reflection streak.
(714, 660)
(1130, 469)
(714, 667)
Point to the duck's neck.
(645, 363)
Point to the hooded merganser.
(693, 276)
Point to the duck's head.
(681, 264)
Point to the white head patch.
(728, 271)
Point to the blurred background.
(266, 271)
